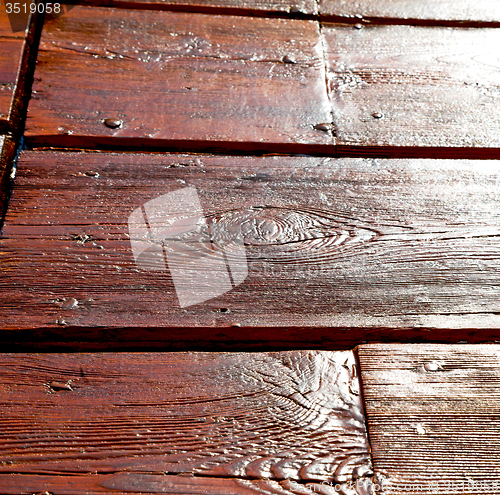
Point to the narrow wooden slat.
(137, 419)
(415, 90)
(11, 52)
(463, 11)
(7, 150)
(433, 416)
(338, 250)
(217, 82)
(147, 483)
(240, 7)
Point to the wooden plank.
(217, 82)
(451, 11)
(375, 249)
(181, 422)
(433, 416)
(11, 54)
(414, 90)
(7, 150)
(234, 7)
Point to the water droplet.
(91, 174)
(358, 26)
(112, 123)
(432, 367)
(60, 386)
(323, 127)
(377, 115)
(71, 303)
(289, 59)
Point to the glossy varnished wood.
(218, 82)
(449, 11)
(338, 250)
(433, 416)
(129, 422)
(414, 90)
(12, 45)
(241, 7)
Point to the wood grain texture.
(433, 417)
(239, 7)
(338, 250)
(11, 54)
(218, 82)
(415, 90)
(132, 418)
(7, 150)
(457, 11)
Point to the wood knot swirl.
(287, 232)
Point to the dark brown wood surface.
(415, 90)
(244, 7)
(463, 11)
(218, 82)
(7, 149)
(338, 250)
(433, 414)
(216, 420)
(11, 53)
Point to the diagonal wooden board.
(12, 69)
(337, 251)
(418, 91)
(208, 82)
(433, 416)
(216, 423)
(451, 11)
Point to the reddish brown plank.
(457, 11)
(146, 483)
(415, 90)
(338, 250)
(292, 417)
(207, 82)
(11, 54)
(241, 7)
(433, 416)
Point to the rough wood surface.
(218, 82)
(133, 418)
(338, 250)
(463, 11)
(433, 414)
(414, 89)
(7, 149)
(11, 52)
(242, 7)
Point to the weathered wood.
(338, 250)
(146, 483)
(136, 417)
(11, 54)
(238, 7)
(415, 90)
(456, 11)
(433, 413)
(217, 82)
(7, 150)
